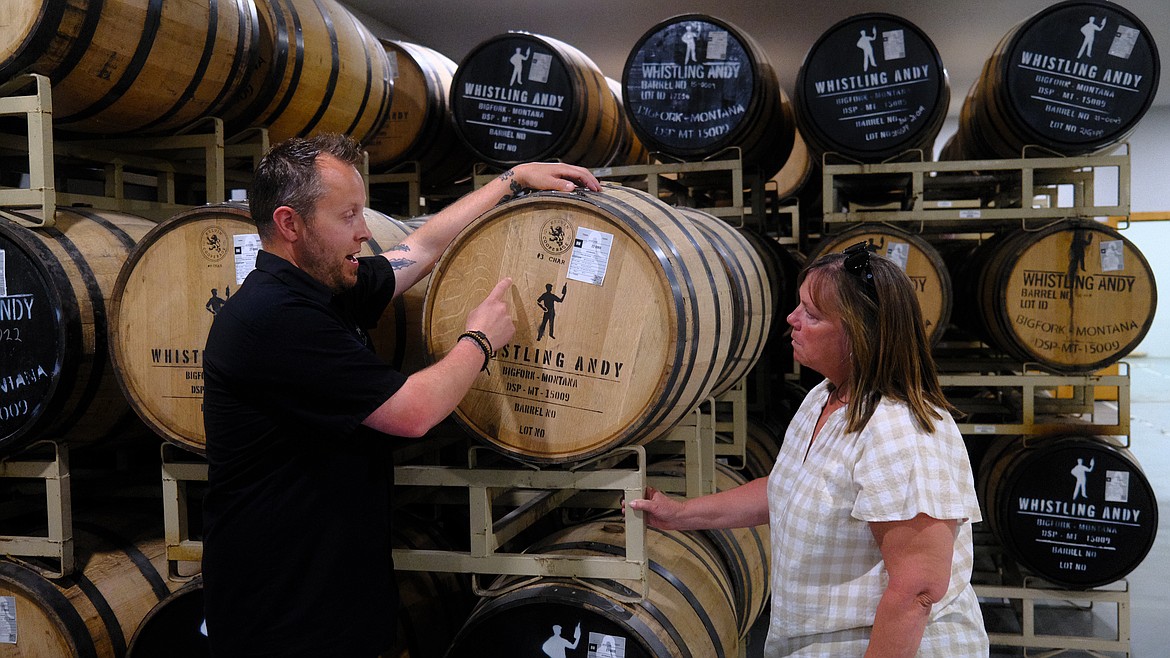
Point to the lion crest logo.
(555, 236)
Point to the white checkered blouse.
(827, 572)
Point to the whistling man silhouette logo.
(216, 302)
(689, 38)
(546, 303)
(517, 61)
(1090, 31)
(1080, 472)
(865, 43)
(555, 645)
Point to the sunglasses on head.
(857, 264)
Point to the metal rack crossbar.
(960, 192)
(118, 163)
(1027, 598)
(37, 108)
(179, 467)
(1033, 405)
(484, 484)
(47, 461)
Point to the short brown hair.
(287, 175)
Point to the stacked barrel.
(1072, 79)
(1067, 297)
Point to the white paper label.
(1112, 255)
(1117, 486)
(538, 71)
(7, 618)
(590, 256)
(606, 646)
(893, 45)
(717, 46)
(898, 253)
(3, 276)
(1124, 41)
(393, 57)
(246, 246)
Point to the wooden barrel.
(433, 605)
(783, 266)
(637, 321)
(751, 298)
(172, 627)
(872, 87)
(797, 172)
(921, 262)
(1074, 78)
(419, 127)
(166, 297)
(629, 149)
(55, 380)
(92, 613)
(695, 85)
(687, 611)
(318, 69)
(1073, 508)
(764, 440)
(519, 97)
(1073, 297)
(745, 552)
(130, 66)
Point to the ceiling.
(964, 32)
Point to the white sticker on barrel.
(893, 45)
(1112, 255)
(541, 65)
(1124, 41)
(606, 646)
(1117, 486)
(717, 45)
(590, 257)
(246, 246)
(7, 617)
(898, 253)
(3, 276)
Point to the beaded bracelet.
(480, 339)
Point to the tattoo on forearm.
(514, 188)
(401, 263)
(399, 247)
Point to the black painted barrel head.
(512, 98)
(526, 621)
(1077, 512)
(690, 84)
(871, 87)
(1079, 75)
(36, 307)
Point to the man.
(547, 303)
(299, 412)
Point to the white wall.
(1150, 192)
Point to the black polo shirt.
(296, 554)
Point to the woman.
(871, 499)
